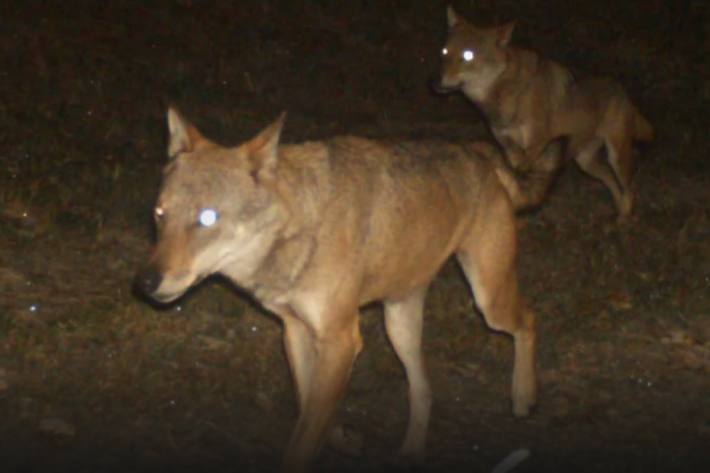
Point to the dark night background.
(92, 379)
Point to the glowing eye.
(444, 52)
(468, 55)
(208, 217)
(159, 212)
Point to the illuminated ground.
(94, 380)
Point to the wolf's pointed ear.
(451, 17)
(505, 32)
(184, 137)
(263, 149)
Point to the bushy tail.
(643, 131)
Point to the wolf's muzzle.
(436, 86)
(148, 280)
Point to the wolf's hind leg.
(621, 156)
(590, 161)
(404, 320)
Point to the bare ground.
(94, 379)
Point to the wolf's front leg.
(335, 346)
(300, 351)
(534, 171)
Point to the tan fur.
(532, 103)
(316, 230)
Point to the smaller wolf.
(316, 230)
(531, 103)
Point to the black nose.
(435, 84)
(148, 280)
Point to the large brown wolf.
(531, 103)
(316, 230)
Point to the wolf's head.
(216, 209)
(472, 58)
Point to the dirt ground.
(93, 379)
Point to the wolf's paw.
(624, 208)
(523, 409)
(524, 402)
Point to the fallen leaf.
(621, 301)
(679, 337)
(214, 344)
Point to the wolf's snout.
(148, 280)
(436, 85)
